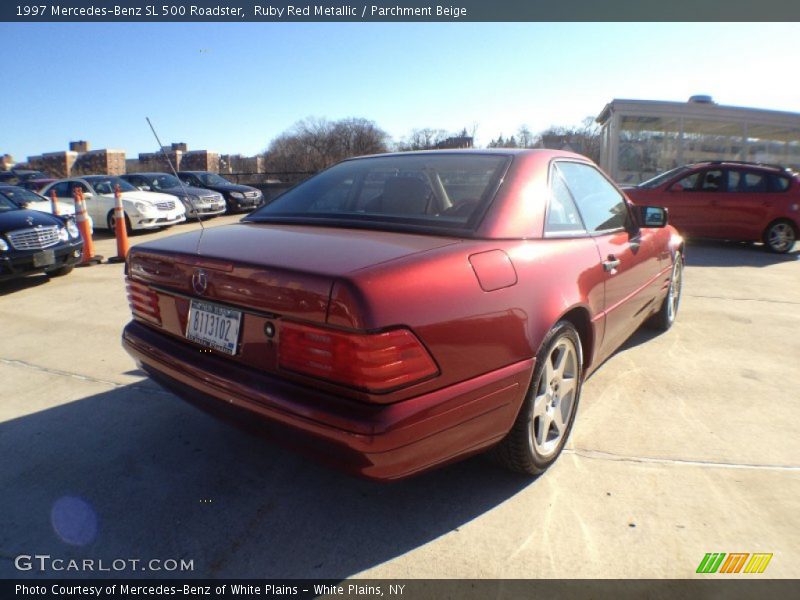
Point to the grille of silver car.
(165, 205)
(34, 238)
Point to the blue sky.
(233, 87)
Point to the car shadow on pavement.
(22, 283)
(134, 473)
(710, 253)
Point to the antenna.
(183, 186)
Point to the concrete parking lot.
(685, 443)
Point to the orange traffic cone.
(89, 257)
(120, 229)
(54, 202)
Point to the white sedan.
(143, 210)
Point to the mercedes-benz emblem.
(199, 282)
(29, 220)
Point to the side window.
(735, 181)
(63, 189)
(754, 182)
(712, 181)
(562, 214)
(778, 183)
(601, 206)
(689, 183)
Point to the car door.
(631, 263)
(745, 205)
(693, 202)
(90, 201)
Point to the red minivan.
(728, 200)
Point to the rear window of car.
(440, 191)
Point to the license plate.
(213, 326)
(44, 259)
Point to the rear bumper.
(381, 442)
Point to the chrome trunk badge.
(199, 282)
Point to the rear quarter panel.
(470, 331)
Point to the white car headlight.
(143, 207)
(3, 245)
(62, 234)
(72, 229)
(238, 195)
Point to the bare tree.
(314, 144)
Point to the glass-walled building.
(642, 138)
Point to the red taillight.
(143, 302)
(377, 362)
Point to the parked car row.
(32, 241)
(154, 200)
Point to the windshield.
(663, 178)
(163, 182)
(212, 179)
(6, 204)
(106, 185)
(20, 195)
(423, 190)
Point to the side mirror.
(676, 188)
(143, 188)
(87, 195)
(652, 216)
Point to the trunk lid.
(268, 272)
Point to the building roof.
(697, 109)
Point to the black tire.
(61, 271)
(668, 312)
(110, 223)
(779, 236)
(518, 451)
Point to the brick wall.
(200, 160)
(100, 162)
(155, 161)
(55, 164)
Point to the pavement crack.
(599, 455)
(50, 371)
(744, 299)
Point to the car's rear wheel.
(111, 221)
(548, 411)
(665, 317)
(780, 236)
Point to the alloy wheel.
(554, 398)
(781, 237)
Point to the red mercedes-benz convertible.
(398, 312)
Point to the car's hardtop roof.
(740, 163)
(195, 172)
(474, 152)
(148, 174)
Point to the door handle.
(611, 263)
